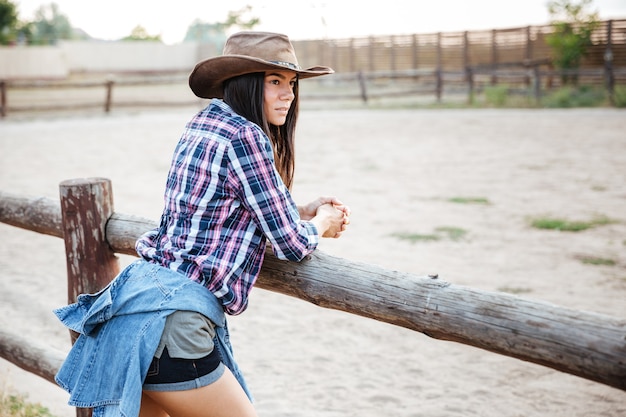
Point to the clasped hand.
(330, 216)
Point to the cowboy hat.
(244, 53)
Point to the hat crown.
(246, 53)
(272, 47)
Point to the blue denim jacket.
(119, 330)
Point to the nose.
(287, 93)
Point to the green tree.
(200, 31)
(50, 25)
(139, 33)
(8, 22)
(572, 26)
(241, 19)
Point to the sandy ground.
(398, 171)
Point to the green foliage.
(216, 32)
(572, 28)
(50, 26)
(496, 95)
(619, 96)
(8, 22)
(239, 19)
(583, 96)
(139, 33)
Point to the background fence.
(380, 66)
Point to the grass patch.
(496, 95)
(442, 232)
(581, 96)
(515, 290)
(453, 233)
(17, 406)
(416, 237)
(619, 96)
(594, 260)
(563, 225)
(469, 200)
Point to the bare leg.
(150, 409)
(223, 398)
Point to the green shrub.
(619, 96)
(496, 95)
(583, 96)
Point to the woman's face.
(278, 95)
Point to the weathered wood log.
(123, 230)
(30, 355)
(39, 214)
(86, 205)
(586, 344)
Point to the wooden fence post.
(109, 95)
(469, 74)
(494, 56)
(362, 86)
(439, 70)
(3, 98)
(529, 52)
(86, 205)
(415, 55)
(392, 53)
(608, 63)
(537, 83)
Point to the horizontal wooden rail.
(586, 344)
(32, 356)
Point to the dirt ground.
(414, 173)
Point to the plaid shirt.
(223, 199)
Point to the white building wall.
(80, 57)
(33, 62)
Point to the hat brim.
(207, 78)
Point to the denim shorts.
(175, 374)
(194, 360)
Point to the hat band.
(287, 64)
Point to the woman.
(155, 341)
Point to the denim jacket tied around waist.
(119, 330)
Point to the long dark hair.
(244, 94)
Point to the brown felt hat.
(245, 53)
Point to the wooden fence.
(424, 64)
(456, 51)
(586, 344)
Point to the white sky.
(302, 19)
